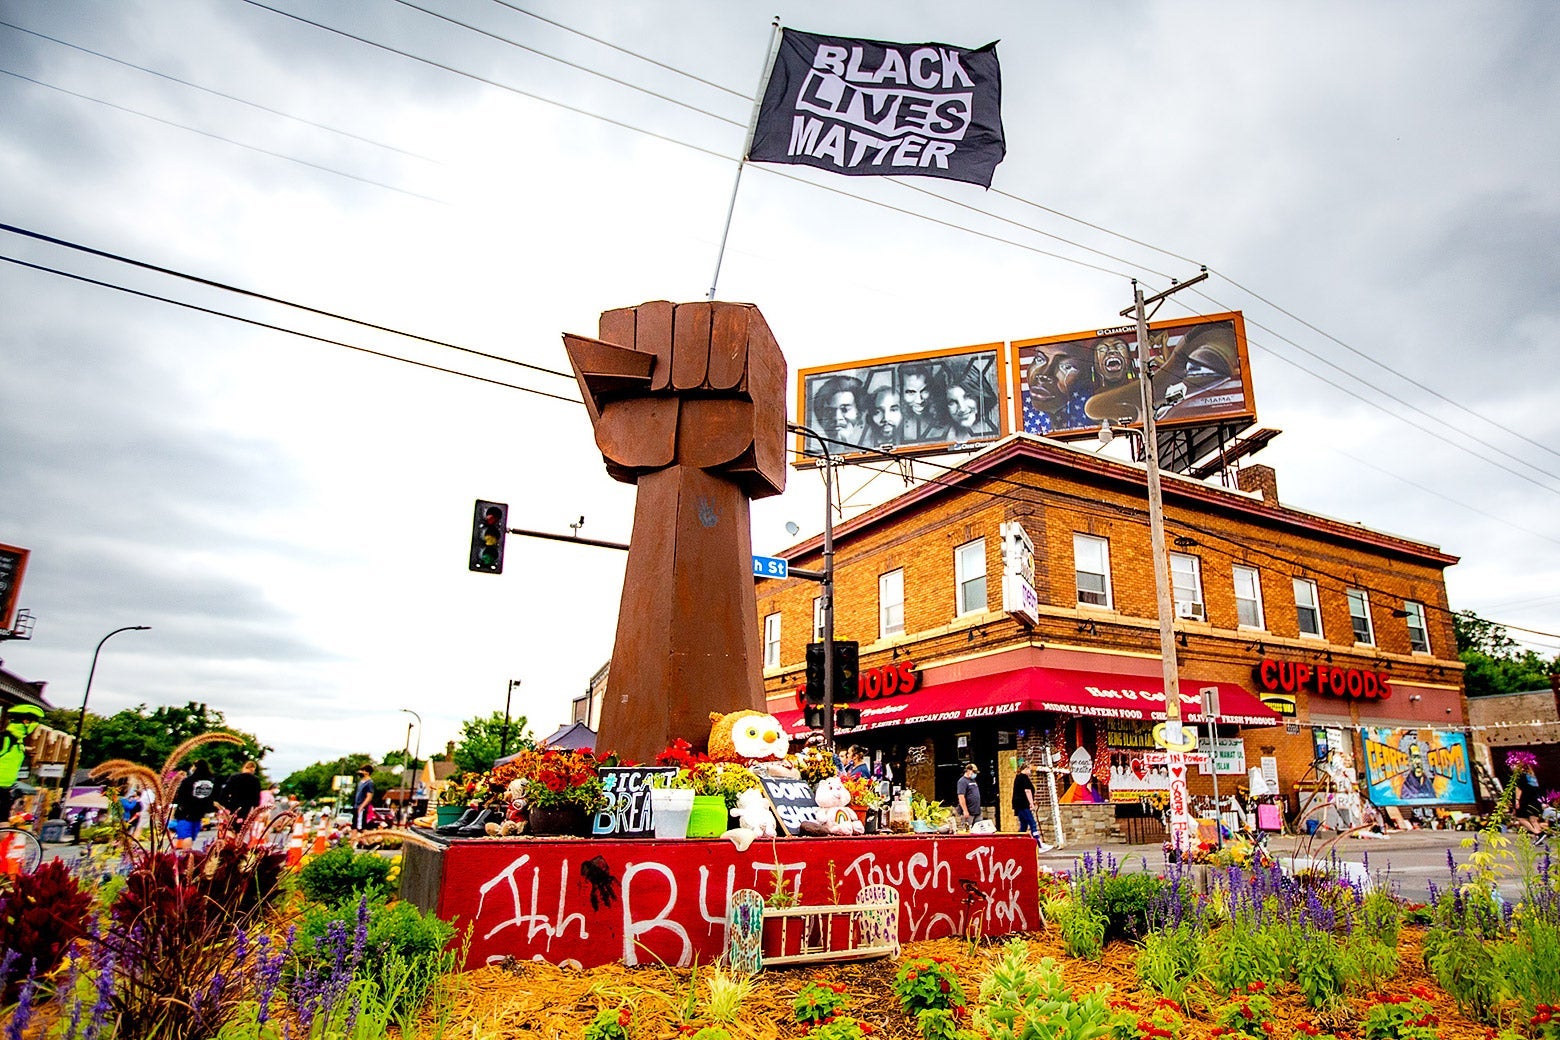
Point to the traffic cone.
(11, 855)
(320, 844)
(295, 845)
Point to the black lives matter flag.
(866, 108)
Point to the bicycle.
(20, 850)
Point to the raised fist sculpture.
(688, 402)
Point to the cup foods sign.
(1293, 676)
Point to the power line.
(280, 328)
(571, 64)
(217, 93)
(252, 294)
(225, 140)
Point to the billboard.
(1065, 386)
(1417, 767)
(13, 564)
(908, 403)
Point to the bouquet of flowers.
(815, 764)
(555, 777)
(1197, 853)
(863, 792)
(680, 753)
(727, 779)
(460, 789)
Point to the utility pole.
(1174, 742)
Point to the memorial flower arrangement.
(555, 778)
(460, 789)
(863, 792)
(815, 764)
(727, 779)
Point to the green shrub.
(1124, 900)
(404, 950)
(927, 982)
(1083, 929)
(340, 875)
(1241, 954)
(1026, 1000)
(1321, 970)
(1171, 961)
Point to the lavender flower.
(21, 1016)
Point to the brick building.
(1317, 633)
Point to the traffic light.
(488, 526)
(847, 718)
(847, 671)
(814, 673)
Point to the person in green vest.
(21, 720)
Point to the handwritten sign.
(792, 801)
(627, 813)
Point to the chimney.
(1261, 479)
(449, 751)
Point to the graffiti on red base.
(1294, 676)
(885, 680)
(532, 901)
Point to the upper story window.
(1091, 562)
(891, 603)
(1186, 582)
(1359, 616)
(817, 619)
(1248, 597)
(772, 640)
(969, 575)
(1418, 631)
(1308, 613)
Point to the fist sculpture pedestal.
(688, 402)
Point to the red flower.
(942, 984)
(1256, 987)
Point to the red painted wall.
(528, 898)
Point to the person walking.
(1024, 805)
(363, 801)
(969, 796)
(241, 794)
(193, 800)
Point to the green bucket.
(709, 816)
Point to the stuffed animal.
(753, 813)
(834, 800)
(746, 736)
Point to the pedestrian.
(241, 794)
(363, 800)
(191, 802)
(1024, 804)
(859, 766)
(969, 796)
(148, 800)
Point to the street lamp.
(416, 755)
(81, 719)
(827, 582)
(503, 737)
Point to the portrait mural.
(1417, 767)
(912, 401)
(1068, 385)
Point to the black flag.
(866, 108)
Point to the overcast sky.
(1372, 184)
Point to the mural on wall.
(1417, 767)
(1082, 785)
(1128, 747)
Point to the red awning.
(1068, 691)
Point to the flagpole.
(747, 144)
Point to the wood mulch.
(532, 999)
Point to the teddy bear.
(755, 819)
(749, 737)
(834, 801)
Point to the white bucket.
(670, 808)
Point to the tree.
(149, 735)
(481, 738)
(395, 758)
(1494, 662)
(314, 781)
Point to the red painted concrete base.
(646, 902)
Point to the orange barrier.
(320, 844)
(11, 857)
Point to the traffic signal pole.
(827, 579)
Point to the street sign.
(1210, 702)
(770, 567)
(51, 771)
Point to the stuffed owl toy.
(748, 737)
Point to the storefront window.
(772, 640)
(1418, 631)
(891, 603)
(969, 565)
(1091, 561)
(1359, 617)
(1248, 597)
(1306, 612)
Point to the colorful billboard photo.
(1417, 767)
(907, 404)
(1067, 385)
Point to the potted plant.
(929, 817)
(866, 798)
(716, 786)
(562, 789)
(455, 798)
